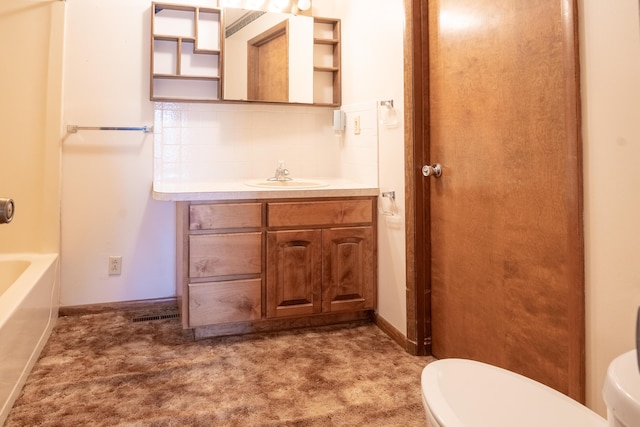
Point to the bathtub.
(29, 292)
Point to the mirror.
(268, 56)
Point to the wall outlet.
(115, 265)
(356, 125)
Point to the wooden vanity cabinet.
(322, 269)
(275, 264)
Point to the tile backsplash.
(230, 142)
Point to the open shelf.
(327, 87)
(187, 44)
(186, 53)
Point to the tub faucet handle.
(7, 209)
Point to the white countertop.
(239, 190)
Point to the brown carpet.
(104, 370)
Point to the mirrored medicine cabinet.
(209, 54)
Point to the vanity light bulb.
(304, 4)
(254, 4)
(281, 4)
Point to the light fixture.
(304, 4)
(281, 4)
(255, 4)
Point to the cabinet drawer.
(225, 254)
(222, 302)
(220, 216)
(333, 212)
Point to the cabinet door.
(294, 272)
(349, 276)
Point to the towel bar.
(76, 128)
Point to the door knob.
(435, 170)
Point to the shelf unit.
(186, 53)
(327, 85)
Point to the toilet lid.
(462, 392)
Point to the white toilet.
(460, 392)
(621, 391)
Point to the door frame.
(253, 53)
(418, 256)
(416, 117)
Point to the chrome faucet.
(281, 174)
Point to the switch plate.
(115, 265)
(356, 125)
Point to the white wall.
(610, 62)
(107, 175)
(372, 59)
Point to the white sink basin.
(292, 184)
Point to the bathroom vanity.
(268, 260)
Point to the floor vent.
(156, 317)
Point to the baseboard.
(393, 333)
(285, 324)
(126, 306)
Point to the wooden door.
(294, 272)
(348, 262)
(505, 226)
(268, 65)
